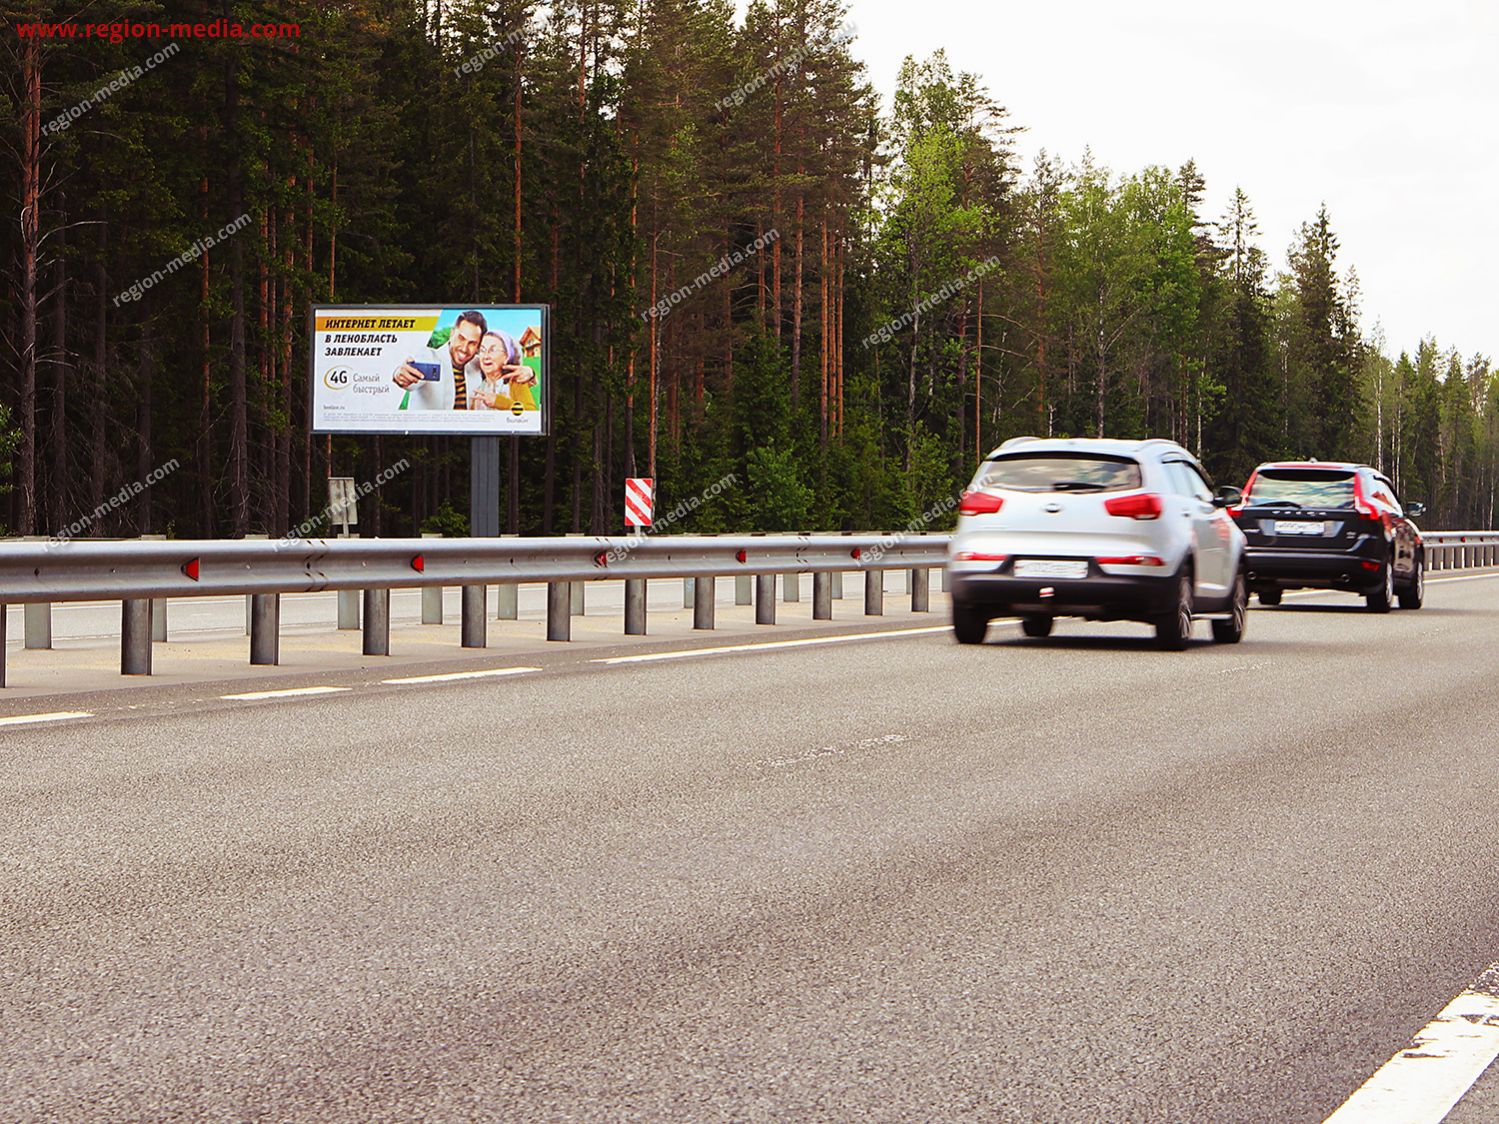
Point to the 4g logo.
(337, 379)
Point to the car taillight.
(1132, 560)
(1144, 505)
(1234, 512)
(979, 556)
(980, 503)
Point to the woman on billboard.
(507, 381)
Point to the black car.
(1324, 525)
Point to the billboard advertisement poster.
(457, 370)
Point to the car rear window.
(1060, 472)
(1301, 487)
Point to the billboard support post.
(484, 488)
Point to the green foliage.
(446, 520)
(378, 164)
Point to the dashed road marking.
(290, 693)
(1422, 1082)
(457, 676)
(768, 646)
(54, 716)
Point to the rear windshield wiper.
(1077, 486)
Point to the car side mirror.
(1228, 497)
(1415, 510)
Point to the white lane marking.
(769, 646)
(455, 676)
(55, 716)
(1463, 578)
(1422, 1083)
(291, 693)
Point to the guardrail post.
(945, 587)
(158, 605)
(703, 592)
(688, 587)
(822, 596)
(792, 584)
(508, 596)
(250, 597)
(38, 626)
(348, 609)
(265, 629)
(921, 590)
(4, 612)
(474, 625)
(765, 599)
(837, 580)
(744, 589)
(559, 611)
(635, 606)
(576, 599)
(377, 622)
(135, 638)
(874, 593)
(431, 594)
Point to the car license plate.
(1050, 568)
(1292, 527)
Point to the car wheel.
(969, 623)
(1038, 627)
(1231, 631)
(1269, 596)
(1382, 597)
(1413, 595)
(1174, 629)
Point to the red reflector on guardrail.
(855, 554)
(741, 555)
(419, 564)
(190, 569)
(601, 559)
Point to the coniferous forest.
(919, 292)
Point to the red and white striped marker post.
(640, 510)
(640, 501)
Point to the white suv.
(1105, 530)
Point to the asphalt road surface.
(886, 878)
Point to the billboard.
(459, 370)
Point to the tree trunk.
(239, 477)
(204, 442)
(57, 442)
(796, 300)
(822, 334)
(98, 453)
(143, 419)
(31, 198)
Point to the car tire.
(969, 623)
(1037, 627)
(1174, 629)
(1382, 596)
(1414, 595)
(1269, 596)
(1231, 631)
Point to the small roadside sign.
(343, 508)
(640, 501)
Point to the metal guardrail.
(1460, 550)
(143, 575)
(138, 573)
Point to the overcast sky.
(1387, 111)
